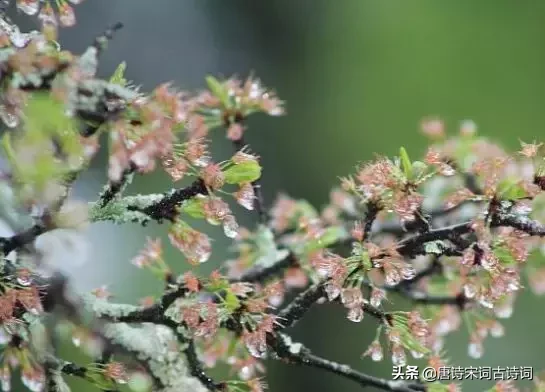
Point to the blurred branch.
(296, 353)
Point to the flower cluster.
(455, 233)
(46, 14)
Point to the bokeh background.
(358, 76)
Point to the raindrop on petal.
(475, 350)
(355, 314)
(230, 226)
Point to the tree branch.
(296, 353)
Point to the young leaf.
(194, 207)
(504, 255)
(406, 163)
(331, 235)
(244, 172)
(510, 189)
(118, 75)
(231, 301)
(218, 89)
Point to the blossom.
(235, 131)
(433, 127)
(197, 154)
(530, 150)
(150, 254)
(282, 212)
(175, 167)
(191, 282)
(406, 205)
(192, 243)
(67, 16)
(116, 371)
(213, 176)
(245, 196)
(374, 351)
(102, 292)
(376, 177)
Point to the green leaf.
(406, 163)
(118, 75)
(504, 255)
(244, 172)
(232, 303)
(330, 237)
(366, 261)
(267, 252)
(218, 89)
(45, 117)
(194, 207)
(510, 189)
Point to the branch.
(298, 354)
(295, 310)
(143, 208)
(259, 275)
(113, 189)
(7, 245)
(193, 362)
(298, 307)
(166, 206)
(520, 222)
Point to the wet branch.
(296, 353)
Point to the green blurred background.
(358, 76)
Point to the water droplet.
(245, 373)
(504, 311)
(230, 226)
(408, 272)
(203, 254)
(399, 358)
(470, 290)
(377, 355)
(417, 354)
(486, 302)
(443, 327)
(10, 119)
(276, 300)
(497, 330)
(475, 350)
(245, 197)
(332, 291)
(355, 314)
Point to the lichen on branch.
(451, 233)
